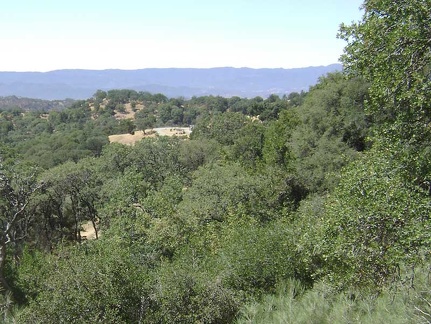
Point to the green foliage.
(217, 189)
(293, 304)
(90, 283)
(196, 153)
(248, 146)
(156, 159)
(378, 217)
(163, 202)
(14, 103)
(121, 96)
(116, 158)
(221, 266)
(253, 258)
(18, 184)
(223, 128)
(7, 155)
(144, 121)
(276, 150)
(270, 109)
(185, 294)
(70, 196)
(390, 47)
(375, 221)
(333, 127)
(308, 221)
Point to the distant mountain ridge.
(173, 82)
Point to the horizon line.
(173, 68)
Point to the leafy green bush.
(96, 282)
(375, 221)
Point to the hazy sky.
(44, 35)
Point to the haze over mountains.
(173, 82)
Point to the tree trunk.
(95, 227)
(3, 254)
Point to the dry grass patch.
(128, 114)
(130, 139)
(88, 232)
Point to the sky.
(46, 35)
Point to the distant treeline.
(50, 137)
(28, 104)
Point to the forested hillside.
(307, 208)
(11, 102)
